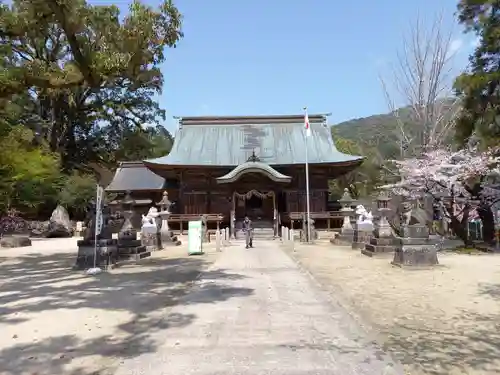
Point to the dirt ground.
(442, 321)
(54, 320)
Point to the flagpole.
(308, 211)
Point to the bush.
(76, 193)
(29, 175)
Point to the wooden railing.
(183, 219)
(330, 219)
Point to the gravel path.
(268, 318)
(440, 321)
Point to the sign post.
(194, 237)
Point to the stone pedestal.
(378, 246)
(96, 251)
(360, 238)
(415, 249)
(149, 238)
(105, 253)
(129, 247)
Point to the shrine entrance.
(258, 206)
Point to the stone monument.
(204, 228)
(166, 235)
(383, 240)
(101, 245)
(59, 224)
(129, 247)
(414, 249)
(363, 229)
(347, 232)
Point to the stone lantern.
(383, 228)
(383, 240)
(347, 231)
(127, 231)
(165, 235)
(347, 212)
(129, 247)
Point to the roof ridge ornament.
(253, 158)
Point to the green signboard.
(194, 237)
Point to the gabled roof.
(230, 141)
(253, 166)
(135, 176)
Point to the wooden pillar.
(181, 192)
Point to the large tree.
(76, 69)
(479, 87)
(453, 179)
(419, 89)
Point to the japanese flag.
(307, 126)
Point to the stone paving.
(273, 320)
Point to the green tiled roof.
(276, 140)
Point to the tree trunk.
(459, 227)
(486, 216)
(460, 230)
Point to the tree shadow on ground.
(471, 346)
(36, 283)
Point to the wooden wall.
(199, 192)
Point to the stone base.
(150, 240)
(106, 254)
(345, 238)
(169, 239)
(360, 239)
(379, 247)
(415, 255)
(15, 241)
(133, 253)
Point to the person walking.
(247, 229)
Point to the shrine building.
(229, 167)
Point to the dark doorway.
(281, 202)
(254, 202)
(254, 208)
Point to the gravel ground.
(264, 317)
(54, 320)
(442, 321)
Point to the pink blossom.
(443, 172)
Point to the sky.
(263, 57)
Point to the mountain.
(382, 131)
(377, 131)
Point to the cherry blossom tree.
(450, 177)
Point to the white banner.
(98, 210)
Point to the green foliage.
(76, 69)
(135, 144)
(479, 88)
(76, 192)
(362, 181)
(378, 132)
(29, 175)
(78, 83)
